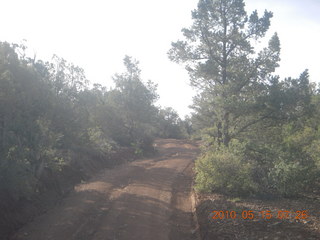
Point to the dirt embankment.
(143, 199)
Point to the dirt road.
(144, 199)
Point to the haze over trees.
(52, 120)
(261, 132)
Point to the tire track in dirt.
(144, 199)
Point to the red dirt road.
(144, 199)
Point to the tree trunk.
(219, 129)
(2, 133)
(226, 134)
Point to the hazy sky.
(96, 35)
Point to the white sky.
(96, 35)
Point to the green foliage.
(169, 124)
(50, 120)
(225, 170)
(100, 142)
(16, 178)
(231, 77)
(137, 148)
(240, 100)
(132, 105)
(251, 168)
(292, 178)
(296, 167)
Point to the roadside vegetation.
(260, 133)
(56, 128)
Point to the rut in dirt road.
(144, 199)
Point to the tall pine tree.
(223, 65)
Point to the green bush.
(225, 170)
(291, 178)
(244, 169)
(16, 178)
(296, 167)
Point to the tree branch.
(252, 123)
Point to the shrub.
(291, 178)
(247, 169)
(225, 170)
